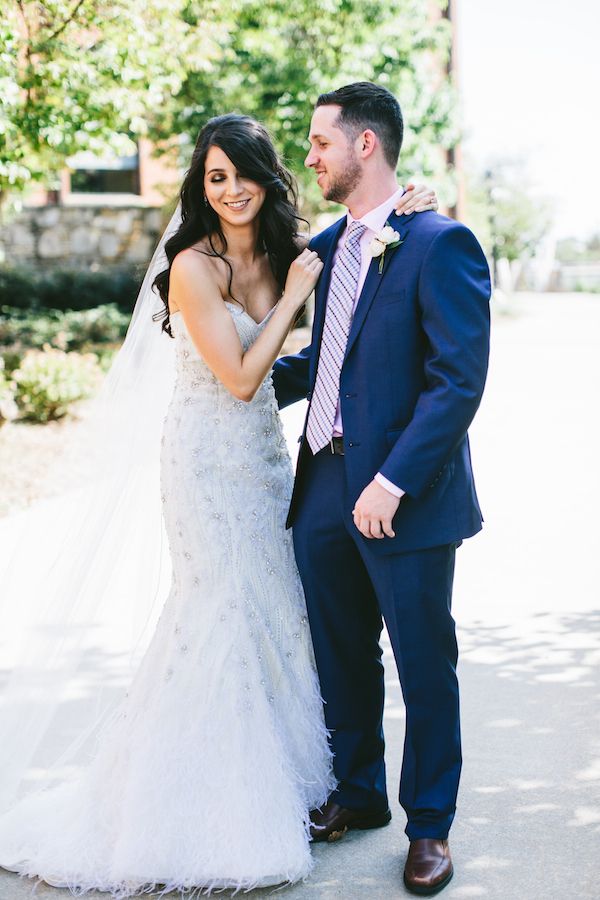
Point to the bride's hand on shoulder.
(416, 198)
(302, 277)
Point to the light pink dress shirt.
(374, 220)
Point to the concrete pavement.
(527, 602)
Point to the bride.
(204, 773)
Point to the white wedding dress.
(206, 774)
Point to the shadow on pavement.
(528, 821)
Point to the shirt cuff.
(389, 486)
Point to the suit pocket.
(391, 296)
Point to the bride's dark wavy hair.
(250, 148)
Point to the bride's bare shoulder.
(191, 259)
(192, 267)
(197, 265)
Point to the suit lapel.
(373, 280)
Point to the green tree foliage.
(279, 57)
(509, 219)
(88, 75)
(574, 250)
(95, 74)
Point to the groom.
(384, 491)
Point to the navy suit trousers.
(350, 591)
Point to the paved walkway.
(527, 601)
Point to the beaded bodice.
(226, 434)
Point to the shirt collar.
(376, 218)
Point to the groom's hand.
(374, 510)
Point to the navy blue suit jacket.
(412, 377)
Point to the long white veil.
(90, 571)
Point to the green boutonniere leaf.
(391, 246)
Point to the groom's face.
(332, 155)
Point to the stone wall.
(81, 237)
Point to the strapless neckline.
(241, 311)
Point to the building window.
(105, 175)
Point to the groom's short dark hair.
(367, 105)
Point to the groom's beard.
(342, 186)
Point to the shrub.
(10, 359)
(71, 330)
(48, 381)
(105, 354)
(103, 325)
(68, 288)
(8, 407)
(18, 287)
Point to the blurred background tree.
(510, 220)
(576, 250)
(89, 75)
(95, 74)
(277, 61)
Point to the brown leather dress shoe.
(332, 821)
(428, 867)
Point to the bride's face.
(235, 199)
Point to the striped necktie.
(338, 319)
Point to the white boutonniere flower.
(386, 239)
